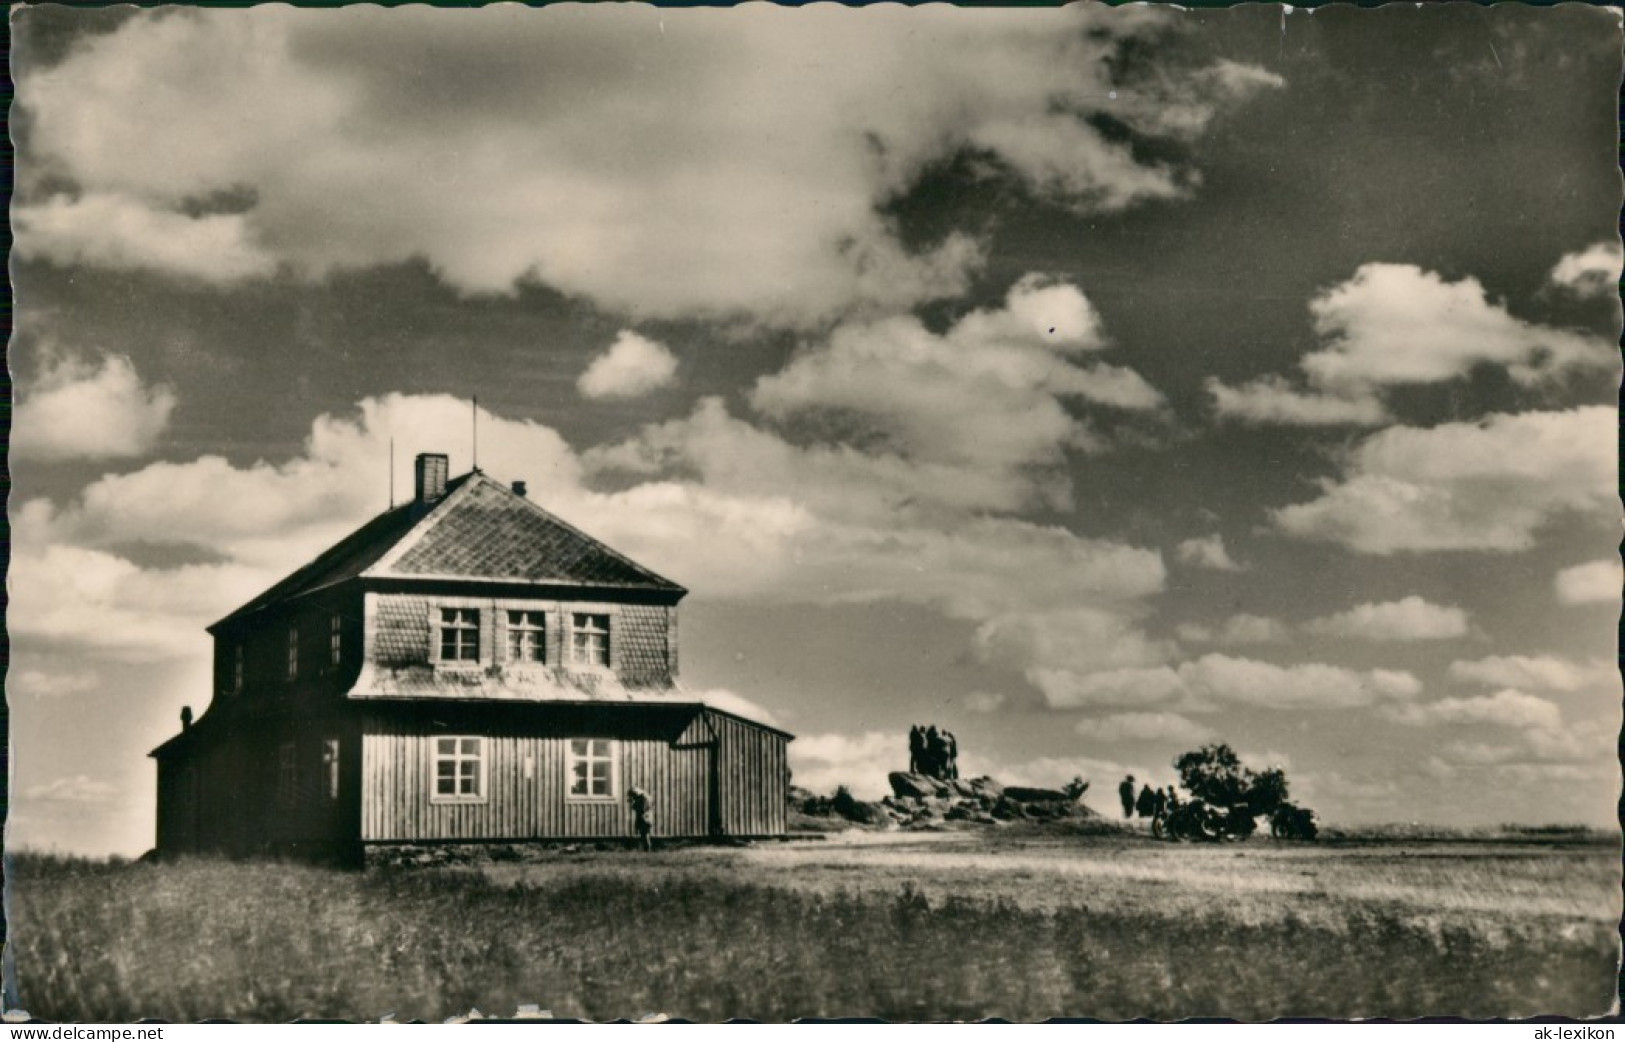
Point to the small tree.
(1214, 775)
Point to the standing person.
(935, 752)
(916, 749)
(1147, 803)
(644, 817)
(1125, 792)
(950, 747)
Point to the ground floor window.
(459, 768)
(592, 768)
(330, 766)
(287, 773)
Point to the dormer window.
(527, 636)
(459, 635)
(335, 640)
(589, 640)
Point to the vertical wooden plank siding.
(523, 802)
(753, 781)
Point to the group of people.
(1155, 804)
(933, 752)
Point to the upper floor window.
(293, 652)
(589, 639)
(459, 635)
(459, 769)
(527, 636)
(335, 640)
(592, 768)
(237, 670)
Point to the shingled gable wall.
(402, 629)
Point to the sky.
(1095, 383)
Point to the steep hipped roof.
(480, 530)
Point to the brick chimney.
(431, 472)
(519, 489)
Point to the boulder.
(962, 788)
(1031, 795)
(987, 785)
(919, 786)
(863, 812)
(1008, 810)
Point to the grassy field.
(1012, 924)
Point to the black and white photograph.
(917, 513)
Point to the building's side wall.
(403, 632)
(177, 807)
(228, 793)
(753, 778)
(263, 638)
(526, 787)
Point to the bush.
(1229, 798)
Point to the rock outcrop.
(919, 801)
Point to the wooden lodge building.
(463, 667)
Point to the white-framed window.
(293, 652)
(335, 640)
(527, 636)
(459, 634)
(330, 766)
(287, 773)
(589, 639)
(592, 767)
(237, 670)
(459, 770)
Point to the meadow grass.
(708, 935)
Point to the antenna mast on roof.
(476, 423)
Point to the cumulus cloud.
(754, 193)
(1143, 727)
(1395, 324)
(1541, 672)
(1590, 583)
(116, 231)
(79, 409)
(1251, 629)
(1411, 618)
(40, 683)
(1075, 638)
(1206, 552)
(985, 701)
(77, 789)
(1216, 680)
(783, 542)
(632, 367)
(1489, 485)
(822, 762)
(733, 702)
(1273, 400)
(1508, 708)
(892, 436)
(985, 397)
(1241, 628)
(1591, 272)
(99, 602)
